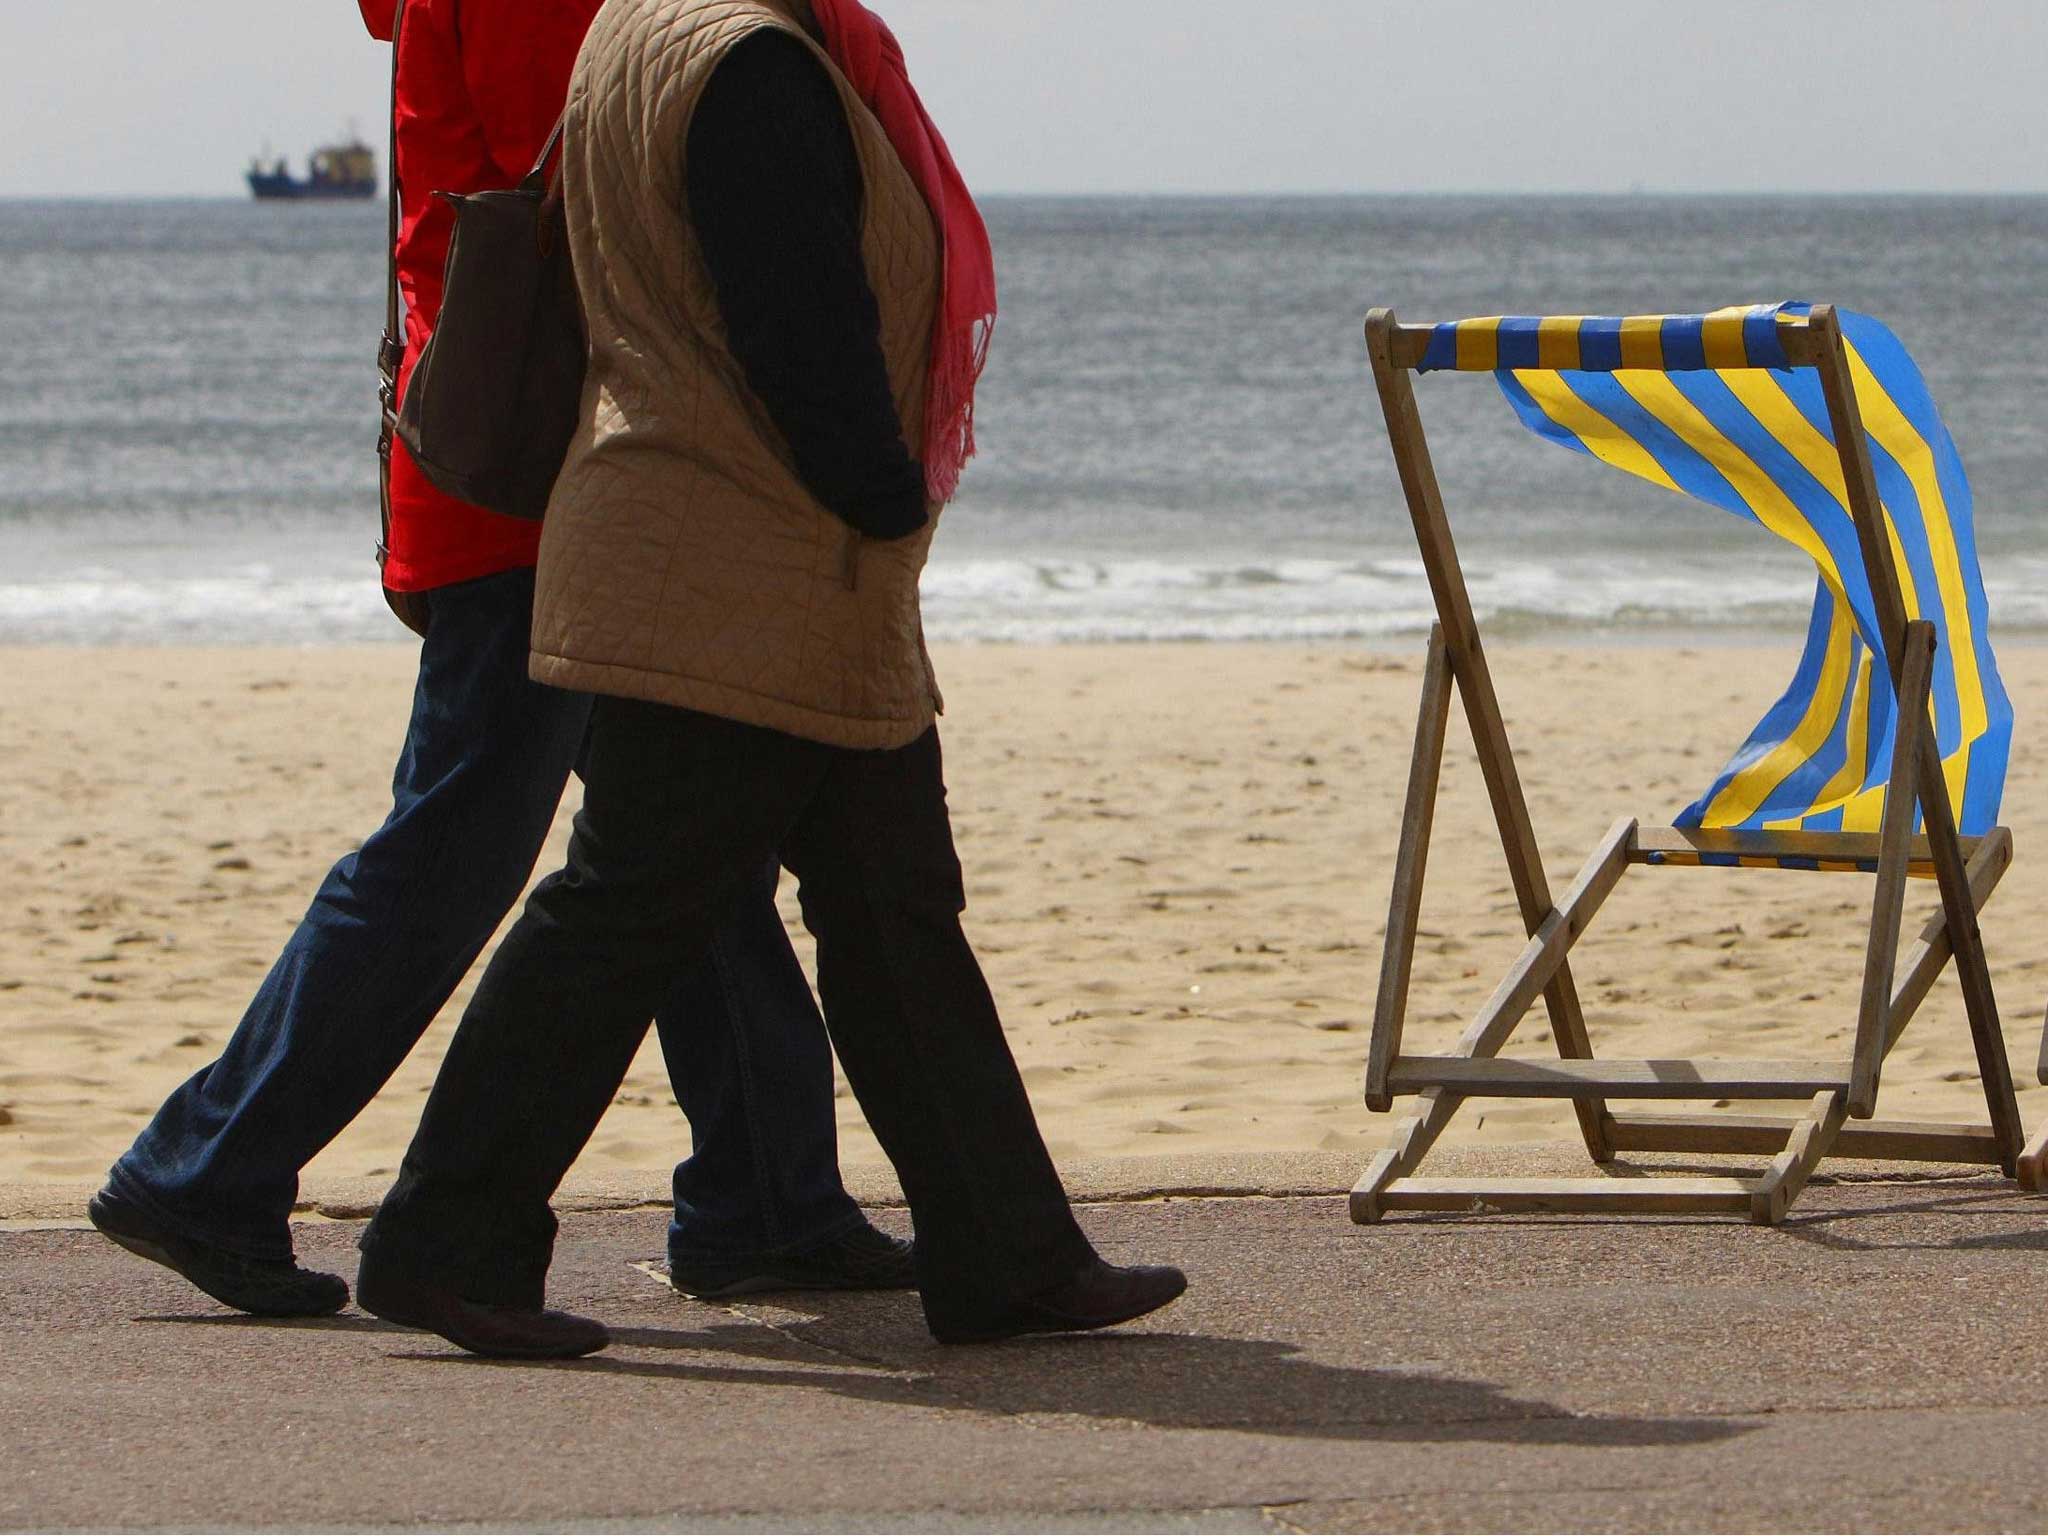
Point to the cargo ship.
(335, 171)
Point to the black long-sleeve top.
(774, 195)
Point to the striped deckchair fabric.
(1707, 405)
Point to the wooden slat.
(1810, 1141)
(1611, 1197)
(1520, 1078)
(1475, 687)
(1902, 1141)
(1836, 850)
(1411, 862)
(1406, 345)
(1888, 904)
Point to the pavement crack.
(1270, 1513)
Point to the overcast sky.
(123, 97)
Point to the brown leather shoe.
(502, 1333)
(1101, 1296)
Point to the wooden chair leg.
(2033, 1166)
(1866, 511)
(2041, 1066)
(1972, 969)
(1888, 906)
(1790, 1170)
(1931, 953)
(1411, 1144)
(1418, 818)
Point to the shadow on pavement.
(1844, 1230)
(1168, 1381)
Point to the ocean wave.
(1035, 600)
(1069, 600)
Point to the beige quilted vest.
(683, 561)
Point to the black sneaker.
(263, 1287)
(862, 1259)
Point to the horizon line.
(1193, 194)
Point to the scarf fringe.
(949, 407)
(862, 45)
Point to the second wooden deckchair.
(1816, 424)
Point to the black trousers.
(680, 809)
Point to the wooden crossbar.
(1491, 1077)
(1840, 1095)
(1828, 852)
(1647, 1197)
(1407, 345)
(1898, 1141)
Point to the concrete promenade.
(1877, 1364)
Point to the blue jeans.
(398, 923)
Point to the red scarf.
(868, 54)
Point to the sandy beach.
(1177, 856)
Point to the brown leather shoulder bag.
(493, 400)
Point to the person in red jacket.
(208, 1187)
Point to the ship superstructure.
(347, 170)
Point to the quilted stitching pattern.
(682, 559)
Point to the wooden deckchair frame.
(1835, 1092)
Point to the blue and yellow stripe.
(1728, 338)
(1709, 406)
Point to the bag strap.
(391, 351)
(547, 153)
(551, 198)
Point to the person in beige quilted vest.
(789, 295)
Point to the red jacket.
(480, 84)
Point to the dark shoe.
(1101, 1296)
(861, 1259)
(264, 1287)
(503, 1333)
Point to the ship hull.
(271, 188)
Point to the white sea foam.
(1038, 601)
(252, 605)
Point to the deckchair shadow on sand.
(1816, 424)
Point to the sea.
(1179, 438)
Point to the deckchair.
(1885, 756)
